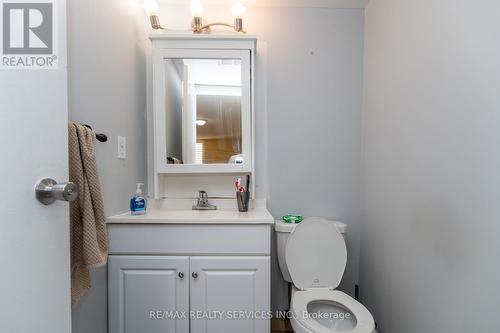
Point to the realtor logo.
(28, 34)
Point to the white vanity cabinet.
(209, 275)
(145, 290)
(236, 286)
(175, 270)
(142, 285)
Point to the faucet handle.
(202, 202)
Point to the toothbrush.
(239, 188)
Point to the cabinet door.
(148, 294)
(227, 288)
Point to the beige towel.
(89, 248)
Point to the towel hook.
(99, 136)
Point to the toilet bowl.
(315, 256)
(321, 311)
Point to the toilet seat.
(301, 300)
(316, 257)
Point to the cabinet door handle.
(181, 275)
(195, 275)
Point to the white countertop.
(169, 213)
(260, 216)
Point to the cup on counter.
(243, 198)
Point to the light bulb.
(196, 8)
(238, 9)
(151, 7)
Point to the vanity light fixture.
(201, 122)
(196, 8)
(152, 9)
(238, 12)
(197, 12)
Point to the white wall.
(431, 179)
(107, 90)
(308, 113)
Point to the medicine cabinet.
(202, 104)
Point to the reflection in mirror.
(203, 111)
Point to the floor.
(281, 326)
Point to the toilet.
(312, 255)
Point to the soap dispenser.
(138, 203)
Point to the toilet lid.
(316, 255)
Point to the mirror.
(203, 111)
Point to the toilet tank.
(283, 230)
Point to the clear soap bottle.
(138, 202)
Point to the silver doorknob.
(195, 275)
(48, 191)
(181, 275)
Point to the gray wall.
(314, 120)
(107, 90)
(311, 98)
(431, 179)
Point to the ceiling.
(280, 3)
(222, 122)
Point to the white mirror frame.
(159, 109)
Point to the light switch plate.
(122, 148)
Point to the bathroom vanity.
(198, 263)
(180, 270)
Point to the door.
(34, 238)
(148, 294)
(230, 294)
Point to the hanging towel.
(89, 247)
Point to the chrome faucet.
(202, 202)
